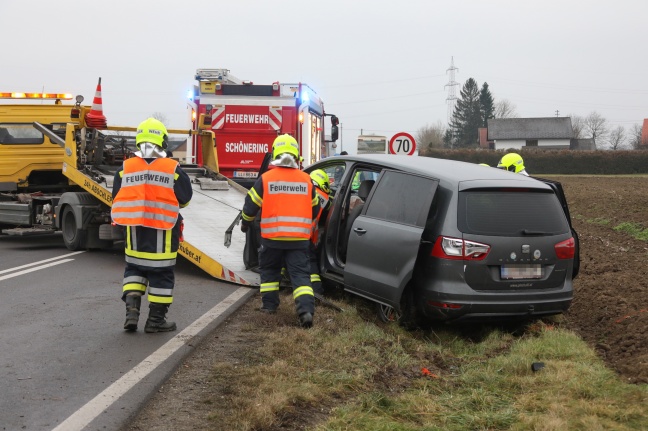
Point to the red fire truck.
(246, 118)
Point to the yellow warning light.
(19, 95)
(301, 117)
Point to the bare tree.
(634, 138)
(617, 138)
(430, 137)
(505, 109)
(577, 126)
(596, 127)
(160, 117)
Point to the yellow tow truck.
(56, 175)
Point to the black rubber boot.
(306, 320)
(133, 303)
(156, 321)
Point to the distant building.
(483, 139)
(550, 133)
(582, 144)
(644, 134)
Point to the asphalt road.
(65, 361)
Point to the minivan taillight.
(459, 249)
(566, 249)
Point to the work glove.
(244, 227)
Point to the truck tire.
(73, 236)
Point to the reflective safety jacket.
(150, 247)
(147, 196)
(288, 204)
(323, 204)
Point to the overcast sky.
(381, 66)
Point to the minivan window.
(510, 213)
(400, 198)
(335, 173)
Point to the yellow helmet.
(153, 131)
(285, 144)
(321, 179)
(511, 162)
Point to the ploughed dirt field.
(610, 308)
(609, 311)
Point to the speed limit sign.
(402, 144)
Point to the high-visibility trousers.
(315, 279)
(297, 264)
(158, 282)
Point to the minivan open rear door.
(558, 190)
(385, 238)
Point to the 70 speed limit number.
(402, 144)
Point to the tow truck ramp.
(213, 207)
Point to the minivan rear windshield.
(511, 213)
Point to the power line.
(391, 112)
(570, 87)
(386, 98)
(381, 82)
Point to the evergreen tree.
(486, 104)
(448, 139)
(467, 117)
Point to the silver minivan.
(433, 239)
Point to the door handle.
(360, 231)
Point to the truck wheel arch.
(74, 217)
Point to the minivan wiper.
(533, 232)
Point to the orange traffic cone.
(95, 118)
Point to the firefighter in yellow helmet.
(323, 189)
(148, 192)
(288, 203)
(512, 162)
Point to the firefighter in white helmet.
(148, 192)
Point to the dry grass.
(351, 372)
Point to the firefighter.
(512, 162)
(148, 192)
(322, 188)
(288, 204)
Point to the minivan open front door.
(385, 238)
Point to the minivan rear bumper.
(475, 305)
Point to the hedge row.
(558, 162)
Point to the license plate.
(245, 174)
(518, 272)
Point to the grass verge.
(352, 372)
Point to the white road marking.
(86, 414)
(39, 262)
(16, 274)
